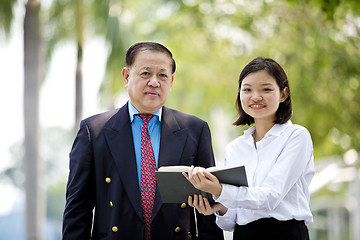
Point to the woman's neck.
(261, 128)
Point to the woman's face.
(260, 96)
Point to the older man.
(115, 155)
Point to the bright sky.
(57, 92)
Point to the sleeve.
(80, 193)
(287, 170)
(227, 222)
(207, 228)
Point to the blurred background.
(61, 61)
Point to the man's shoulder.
(97, 122)
(101, 117)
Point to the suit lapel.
(172, 142)
(120, 140)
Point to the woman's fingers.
(209, 176)
(193, 176)
(203, 180)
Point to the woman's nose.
(256, 97)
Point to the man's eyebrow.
(149, 68)
(145, 68)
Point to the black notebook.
(175, 188)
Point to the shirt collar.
(276, 130)
(133, 111)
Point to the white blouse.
(279, 171)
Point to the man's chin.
(152, 108)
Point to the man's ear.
(125, 74)
(172, 80)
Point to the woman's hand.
(203, 180)
(203, 206)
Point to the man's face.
(149, 80)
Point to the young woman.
(278, 158)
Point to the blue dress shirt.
(154, 128)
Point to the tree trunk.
(35, 194)
(79, 79)
(78, 93)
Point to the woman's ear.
(284, 94)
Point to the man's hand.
(203, 206)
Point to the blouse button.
(114, 229)
(183, 205)
(108, 180)
(177, 229)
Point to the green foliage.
(56, 201)
(315, 41)
(60, 24)
(14, 173)
(6, 15)
(55, 153)
(324, 77)
(318, 54)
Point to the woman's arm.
(289, 167)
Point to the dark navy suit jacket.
(103, 195)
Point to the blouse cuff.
(227, 221)
(226, 195)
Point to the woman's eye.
(246, 90)
(267, 89)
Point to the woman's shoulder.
(237, 140)
(296, 129)
(236, 143)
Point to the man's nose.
(154, 81)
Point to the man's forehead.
(149, 68)
(151, 52)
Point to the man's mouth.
(152, 93)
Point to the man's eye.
(164, 76)
(145, 73)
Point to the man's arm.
(80, 192)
